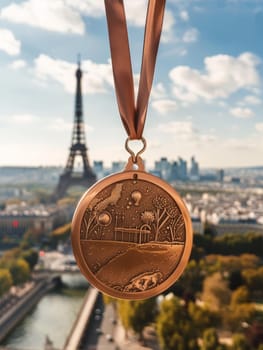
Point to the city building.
(117, 167)
(194, 170)
(98, 169)
(17, 219)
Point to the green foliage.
(209, 230)
(255, 334)
(230, 244)
(136, 314)
(216, 292)
(31, 257)
(235, 279)
(190, 282)
(240, 296)
(5, 281)
(238, 314)
(202, 317)
(240, 342)
(210, 339)
(109, 300)
(239, 244)
(20, 271)
(31, 237)
(62, 230)
(254, 280)
(176, 328)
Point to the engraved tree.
(161, 214)
(176, 226)
(164, 212)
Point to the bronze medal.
(131, 232)
(132, 235)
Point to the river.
(53, 316)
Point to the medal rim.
(92, 192)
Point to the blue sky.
(207, 97)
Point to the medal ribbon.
(133, 115)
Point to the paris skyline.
(206, 98)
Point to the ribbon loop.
(133, 116)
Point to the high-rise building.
(116, 167)
(174, 175)
(194, 170)
(182, 169)
(163, 166)
(98, 168)
(220, 175)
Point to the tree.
(255, 333)
(191, 281)
(254, 280)
(235, 279)
(238, 314)
(175, 328)
(240, 296)
(210, 339)
(202, 317)
(5, 281)
(31, 257)
(216, 292)
(136, 314)
(20, 271)
(240, 342)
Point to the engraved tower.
(78, 149)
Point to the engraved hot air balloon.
(136, 197)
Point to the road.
(100, 333)
(105, 334)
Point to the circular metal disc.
(131, 235)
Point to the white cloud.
(20, 119)
(8, 42)
(168, 23)
(183, 130)
(18, 64)
(222, 76)
(164, 106)
(60, 124)
(88, 7)
(242, 113)
(187, 132)
(184, 15)
(96, 77)
(158, 91)
(52, 15)
(24, 118)
(66, 16)
(190, 36)
(251, 100)
(259, 127)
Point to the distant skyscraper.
(174, 175)
(116, 167)
(194, 170)
(164, 167)
(182, 169)
(220, 175)
(98, 168)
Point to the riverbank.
(18, 303)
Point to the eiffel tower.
(78, 148)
